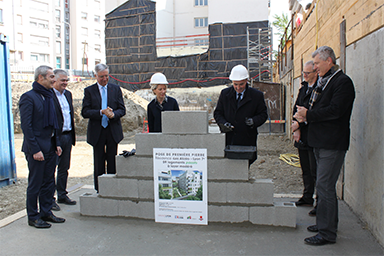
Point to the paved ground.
(81, 235)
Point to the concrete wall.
(364, 165)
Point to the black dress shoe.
(313, 228)
(312, 212)
(53, 218)
(66, 200)
(39, 223)
(303, 202)
(55, 207)
(317, 240)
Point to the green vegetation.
(163, 194)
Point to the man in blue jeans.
(328, 117)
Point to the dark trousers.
(41, 185)
(329, 163)
(63, 165)
(308, 166)
(104, 150)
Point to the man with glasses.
(300, 134)
(328, 117)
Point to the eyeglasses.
(307, 73)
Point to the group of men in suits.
(47, 121)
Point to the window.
(84, 15)
(40, 24)
(1, 16)
(20, 55)
(20, 37)
(39, 6)
(34, 57)
(19, 20)
(58, 62)
(201, 22)
(84, 31)
(97, 33)
(201, 2)
(97, 47)
(58, 47)
(97, 18)
(40, 41)
(58, 31)
(67, 16)
(57, 15)
(201, 42)
(66, 63)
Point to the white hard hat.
(238, 73)
(158, 78)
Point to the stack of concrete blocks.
(232, 196)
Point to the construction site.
(198, 68)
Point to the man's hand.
(295, 125)
(249, 121)
(38, 156)
(297, 135)
(59, 151)
(227, 127)
(108, 112)
(301, 114)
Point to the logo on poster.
(201, 218)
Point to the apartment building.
(65, 34)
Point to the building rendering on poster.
(180, 185)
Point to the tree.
(199, 193)
(281, 23)
(163, 194)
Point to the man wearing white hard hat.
(240, 110)
(161, 103)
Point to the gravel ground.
(286, 178)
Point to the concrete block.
(146, 189)
(214, 143)
(227, 169)
(258, 192)
(285, 214)
(217, 192)
(262, 215)
(233, 214)
(145, 142)
(107, 185)
(139, 209)
(93, 205)
(112, 186)
(134, 166)
(184, 122)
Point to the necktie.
(238, 99)
(104, 104)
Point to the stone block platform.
(232, 196)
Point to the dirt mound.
(136, 107)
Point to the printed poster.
(180, 185)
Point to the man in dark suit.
(65, 117)
(300, 135)
(240, 110)
(328, 117)
(103, 104)
(40, 146)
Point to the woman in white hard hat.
(162, 102)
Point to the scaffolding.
(259, 53)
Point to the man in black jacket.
(65, 118)
(240, 110)
(300, 135)
(328, 118)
